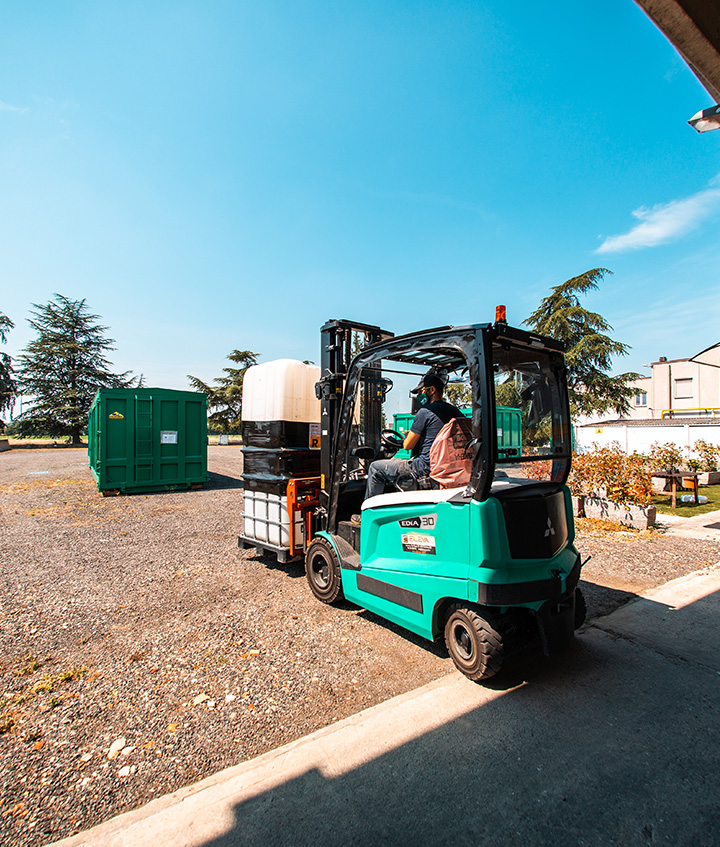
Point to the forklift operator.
(430, 419)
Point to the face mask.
(423, 399)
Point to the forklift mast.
(336, 352)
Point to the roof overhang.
(693, 28)
(709, 356)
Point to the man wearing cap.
(434, 413)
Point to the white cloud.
(8, 107)
(665, 221)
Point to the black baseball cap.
(431, 380)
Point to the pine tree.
(589, 350)
(8, 387)
(225, 396)
(63, 368)
(459, 394)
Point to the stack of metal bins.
(281, 441)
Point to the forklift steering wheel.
(392, 439)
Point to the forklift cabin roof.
(446, 347)
(430, 348)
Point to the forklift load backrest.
(451, 454)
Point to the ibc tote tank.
(281, 432)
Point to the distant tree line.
(8, 385)
(66, 363)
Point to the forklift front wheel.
(474, 643)
(323, 571)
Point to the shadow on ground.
(612, 742)
(294, 568)
(602, 600)
(218, 480)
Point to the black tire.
(580, 609)
(323, 571)
(474, 643)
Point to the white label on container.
(168, 437)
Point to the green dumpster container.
(148, 439)
(508, 427)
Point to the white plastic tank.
(283, 390)
(266, 518)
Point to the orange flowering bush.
(612, 473)
(709, 455)
(666, 457)
(542, 471)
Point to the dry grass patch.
(611, 530)
(76, 502)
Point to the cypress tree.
(225, 396)
(63, 368)
(590, 349)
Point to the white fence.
(639, 438)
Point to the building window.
(683, 389)
(641, 398)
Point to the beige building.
(679, 402)
(677, 388)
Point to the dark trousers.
(396, 472)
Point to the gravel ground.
(140, 650)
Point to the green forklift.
(489, 565)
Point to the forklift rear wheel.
(474, 643)
(580, 609)
(323, 571)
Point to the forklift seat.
(407, 498)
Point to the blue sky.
(218, 175)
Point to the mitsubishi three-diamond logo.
(550, 530)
